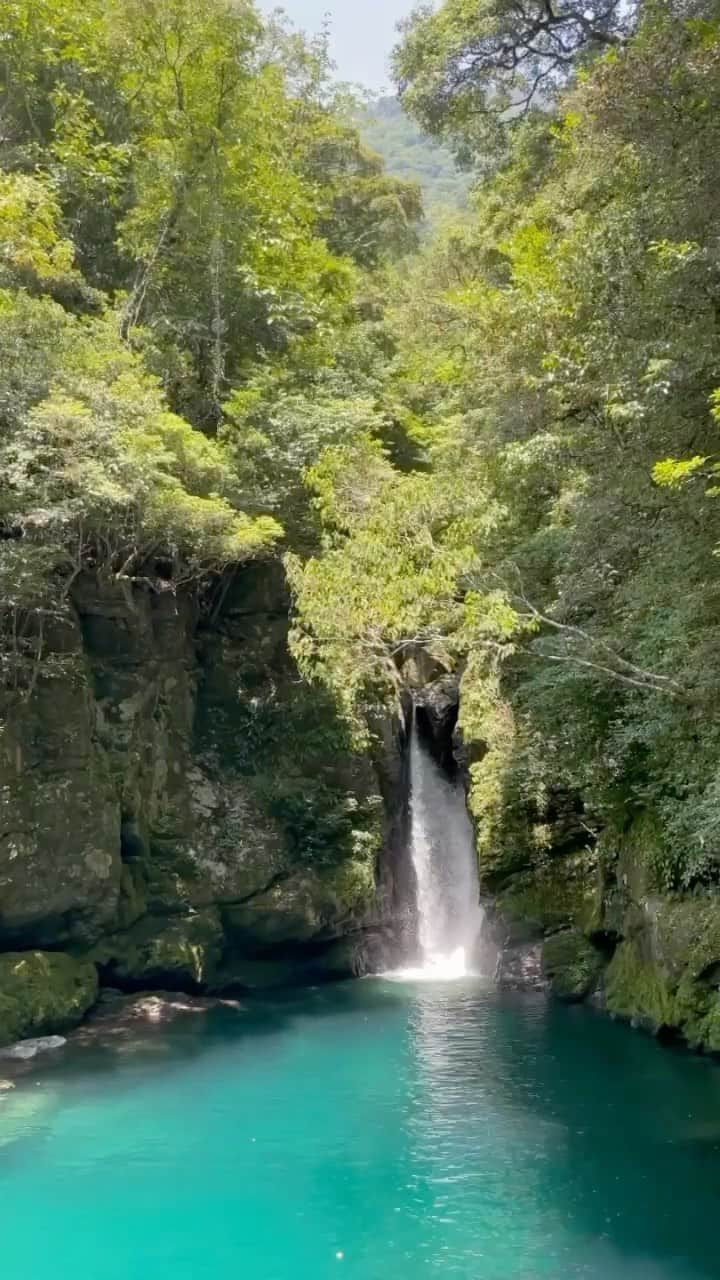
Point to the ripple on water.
(382, 1130)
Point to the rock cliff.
(178, 809)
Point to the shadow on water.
(620, 1139)
(119, 1061)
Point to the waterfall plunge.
(443, 855)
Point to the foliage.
(499, 446)
(97, 471)
(556, 356)
(183, 212)
(465, 66)
(370, 216)
(30, 243)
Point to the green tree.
(557, 358)
(464, 66)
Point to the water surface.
(418, 1131)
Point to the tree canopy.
(464, 66)
(410, 153)
(185, 219)
(554, 537)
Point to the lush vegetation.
(554, 536)
(411, 154)
(502, 451)
(187, 228)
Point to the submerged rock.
(117, 1013)
(25, 1049)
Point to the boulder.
(182, 952)
(24, 1050)
(307, 906)
(43, 993)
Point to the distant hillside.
(409, 153)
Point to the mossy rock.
(181, 953)
(571, 964)
(501, 853)
(59, 819)
(710, 1029)
(686, 935)
(561, 892)
(696, 1013)
(637, 853)
(665, 976)
(43, 992)
(132, 905)
(634, 989)
(308, 905)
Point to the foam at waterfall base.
(437, 968)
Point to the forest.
(408, 152)
(491, 451)
(545, 516)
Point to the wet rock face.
(520, 967)
(166, 774)
(571, 964)
(436, 710)
(592, 924)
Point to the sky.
(363, 32)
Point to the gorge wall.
(180, 810)
(578, 909)
(589, 919)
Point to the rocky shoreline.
(119, 1024)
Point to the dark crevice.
(159, 980)
(436, 732)
(132, 844)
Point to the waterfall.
(442, 847)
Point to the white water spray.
(443, 855)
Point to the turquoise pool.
(367, 1131)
